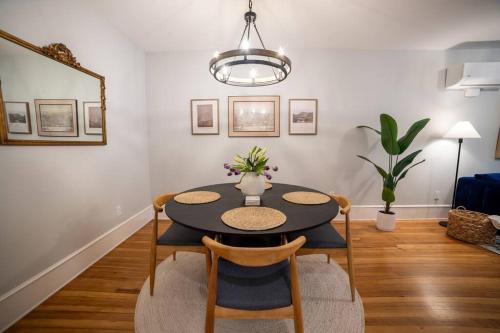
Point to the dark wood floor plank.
(415, 279)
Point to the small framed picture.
(92, 118)
(303, 116)
(204, 116)
(56, 117)
(18, 117)
(257, 116)
(497, 152)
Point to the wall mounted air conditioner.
(473, 76)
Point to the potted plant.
(254, 168)
(398, 166)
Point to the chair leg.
(173, 255)
(329, 258)
(297, 306)
(351, 273)
(152, 269)
(212, 292)
(298, 323)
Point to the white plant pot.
(251, 184)
(386, 222)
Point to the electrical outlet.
(437, 195)
(119, 210)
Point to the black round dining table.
(207, 217)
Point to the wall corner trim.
(20, 300)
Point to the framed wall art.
(92, 118)
(204, 116)
(303, 116)
(18, 119)
(56, 117)
(254, 116)
(497, 152)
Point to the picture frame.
(18, 117)
(56, 56)
(92, 118)
(205, 116)
(303, 116)
(497, 152)
(57, 117)
(254, 116)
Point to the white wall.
(54, 200)
(353, 88)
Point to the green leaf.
(379, 169)
(250, 155)
(404, 163)
(389, 182)
(368, 127)
(403, 175)
(405, 141)
(388, 195)
(389, 134)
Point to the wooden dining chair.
(324, 239)
(176, 238)
(253, 282)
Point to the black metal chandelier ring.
(247, 57)
(228, 67)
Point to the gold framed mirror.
(47, 97)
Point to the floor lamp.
(461, 130)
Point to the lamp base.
(443, 223)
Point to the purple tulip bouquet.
(256, 161)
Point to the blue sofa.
(480, 193)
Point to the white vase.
(386, 222)
(252, 184)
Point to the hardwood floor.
(412, 280)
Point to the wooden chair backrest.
(160, 200)
(158, 203)
(344, 203)
(254, 256)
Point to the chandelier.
(250, 67)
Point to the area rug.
(179, 301)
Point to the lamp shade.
(462, 130)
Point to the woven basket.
(470, 226)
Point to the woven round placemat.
(197, 197)
(253, 218)
(306, 198)
(267, 186)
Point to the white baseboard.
(404, 212)
(22, 299)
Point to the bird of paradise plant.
(398, 167)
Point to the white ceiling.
(163, 25)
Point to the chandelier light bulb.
(224, 70)
(245, 45)
(216, 54)
(253, 73)
(281, 51)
